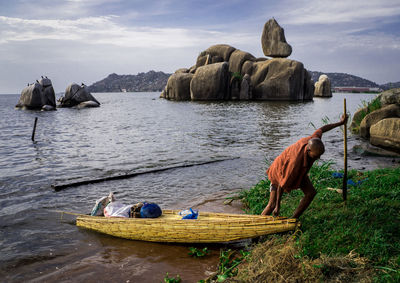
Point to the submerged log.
(59, 187)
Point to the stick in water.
(34, 129)
(345, 155)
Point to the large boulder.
(323, 87)
(247, 68)
(386, 133)
(308, 86)
(391, 96)
(39, 95)
(280, 79)
(237, 59)
(178, 86)
(76, 94)
(273, 40)
(215, 54)
(372, 118)
(210, 82)
(357, 118)
(245, 88)
(182, 70)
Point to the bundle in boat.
(208, 228)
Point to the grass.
(370, 106)
(367, 225)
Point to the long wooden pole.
(345, 155)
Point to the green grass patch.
(368, 224)
(370, 106)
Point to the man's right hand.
(344, 119)
(276, 211)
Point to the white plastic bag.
(117, 209)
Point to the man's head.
(315, 148)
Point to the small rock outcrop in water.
(223, 72)
(323, 87)
(382, 126)
(273, 40)
(78, 96)
(39, 95)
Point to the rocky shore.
(379, 121)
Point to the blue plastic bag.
(150, 210)
(189, 214)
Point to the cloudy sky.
(85, 40)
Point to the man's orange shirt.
(291, 166)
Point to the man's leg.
(309, 194)
(271, 203)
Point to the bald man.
(289, 170)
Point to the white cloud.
(104, 30)
(334, 12)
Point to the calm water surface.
(133, 132)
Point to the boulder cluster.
(223, 72)
(41, 96)
(382, 126)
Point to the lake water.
(136, 132)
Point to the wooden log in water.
(59, 187)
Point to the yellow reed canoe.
(208, 228)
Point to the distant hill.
(343, 79)
(150, 81)
(156, 81)
(347, 80)
(390, 85)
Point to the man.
(289, 170)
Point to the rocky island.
(223, 72)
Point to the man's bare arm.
(279, 193)
(329, 127)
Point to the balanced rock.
(372, 118)
(76, 94)
(39, 95)
(210, 82)
(386, 133)
(323, 87)
(273, 40)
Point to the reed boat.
(169, 227)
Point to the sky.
(75, 41)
